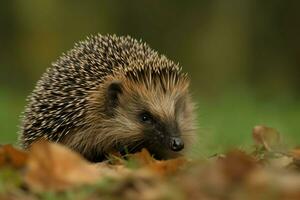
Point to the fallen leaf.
(112, 171)
(143, 185)
(13, 157)
(295, 154)
(161, 167)
(280, 162)
(2, 157)
(281, 184)
(237, 164)
(266, 136)
(53, 167)
(143, 157)
(167, 167)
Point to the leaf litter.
(52, 171)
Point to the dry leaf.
(266, 136)
(12, 156)
(143, 158)
(112, 171)
(53, 167)
(280, 162)
(161, 167)
(237, 164)
(2, 156)
(295, 154)
(143, 185)
(167, 167)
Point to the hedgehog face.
(157, 115)
(157, 130)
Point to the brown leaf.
(280, 162)
(237, 164)
(161, 167)
(143, 185)
(2, 157)
(143, 158)
(12, 157)
(112, 170)
(53, 167)
(167, 167)
(266, 136)
(295, 154)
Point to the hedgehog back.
(59, 103)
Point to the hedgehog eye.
(146, 117)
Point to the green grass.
(228, 122)
(11, 106)
(223, 123)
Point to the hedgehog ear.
(112, 96)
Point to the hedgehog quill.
(111, 94)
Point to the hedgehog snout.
(176, 144)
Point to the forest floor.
(50, 171)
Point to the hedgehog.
(112, 94)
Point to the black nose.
(176, 144)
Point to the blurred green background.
(243, 56)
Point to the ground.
(270, 170)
